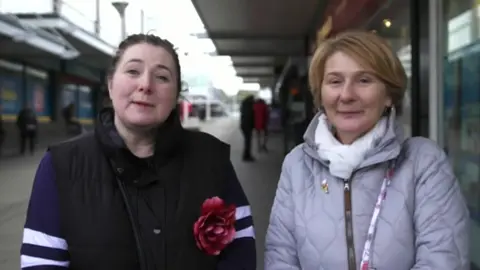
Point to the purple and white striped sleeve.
(43, 247)
(241, 253)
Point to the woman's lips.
(143, 104)
(350, 114)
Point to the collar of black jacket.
(131, 169)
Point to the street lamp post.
(97, 17)
(120, 7)
(142, 21)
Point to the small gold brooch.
(325, 186)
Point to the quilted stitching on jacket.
(423, 223)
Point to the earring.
(387, 110)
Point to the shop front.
(79, 93)
(460, 123)
(438, 43)
(23, 86)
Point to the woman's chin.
(143, 121)
(350, 129)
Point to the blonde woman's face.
(353, 98)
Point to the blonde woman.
(358, 194)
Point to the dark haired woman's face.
(143, 88)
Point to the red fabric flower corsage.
(215, 228)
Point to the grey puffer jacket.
(423, 224)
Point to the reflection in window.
(393, 23)
(461, 102)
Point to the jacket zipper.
(347, 202)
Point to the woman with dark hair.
(139, 192)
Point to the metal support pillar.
(57, 6)
(120, 7)
(97, 17)
(436, 67)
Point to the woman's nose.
(145, 83)
(348, 91)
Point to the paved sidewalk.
(259, 180)
(15, 185)
(221, 128)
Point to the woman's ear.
(109, 86)
(388, 102)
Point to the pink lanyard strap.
(364, 264)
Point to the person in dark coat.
(28, 126)
(73, 126)
(261, 113)
(139, 192)
(247, 123)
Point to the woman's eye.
(365, 80)
(334, 81)
(133, 72)
(162, 78)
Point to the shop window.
(37, 96)
(15, 92)
(461, 103)
(11, 96)
(392, 22)
(80, 96)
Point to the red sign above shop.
(349, 14)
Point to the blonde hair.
(371, 51)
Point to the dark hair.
(148, 39)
